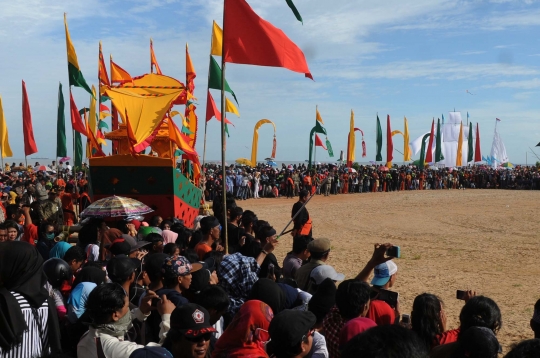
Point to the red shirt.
(381, 313)
(30, 234)
(446, 337)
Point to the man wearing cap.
(177, 278)
(121, 270)
(291, 334)
(302, 222)
(319, 250)
(385, 274)
(190, 332)
(321, 273)
(51, 209)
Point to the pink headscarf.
(169, 236)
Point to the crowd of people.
(155, 288)
(269, 181)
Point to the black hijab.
(269, 292)
(20, 272)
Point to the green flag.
(317, 129)
(438, 145)
(422, 159)
(61, 146)
(227, 130)
(378, 158)
(215, 78)
(329, 148)
(295, 11)
(470, 154)
(78, 149)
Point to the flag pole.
(208, 91)
(151, 49)
(223, 139)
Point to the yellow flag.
(459, 146)
(92, 123)
(352, 142)
(72, 56)
(4, 139)
(230, 107)
(217, 40)
(406, 148)
(103, 115)
(318, 116)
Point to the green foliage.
(356, 166)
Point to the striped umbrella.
(115, 206)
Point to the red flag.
(389, 142)
(477, 152)
(76, 120)
(103, 107)
(318, 142)
(250, 40)
(429, 152)
(30, 146)
(212, 111)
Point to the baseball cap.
(151, 352)
(322, 272)
(191, 320)
(383, 273)
(287, 329)
(119, 268)
(209, 222)
(319, 245)
(179, 266)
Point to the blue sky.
(403, 58)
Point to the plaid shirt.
(332, 325)
(237, 274)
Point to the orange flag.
(190, 72)
(102, 70)
(153, 60)
(118, 74)
(76, 121)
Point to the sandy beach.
(486, 240)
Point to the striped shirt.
(35, 338)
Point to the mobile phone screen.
(460, 295)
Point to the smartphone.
(394, 251)
(405, 318)
(460, 295)
(389, 297)
(155, 301)
(271, 270)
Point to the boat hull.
(151, 180)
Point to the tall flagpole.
(223, 140)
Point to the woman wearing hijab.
(269, 292)
(26, 311)
(169, 236)
(247, 333)
(59, 250)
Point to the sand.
(485, 240)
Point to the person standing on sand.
(302, 222)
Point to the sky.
(418, 59)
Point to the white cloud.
(523, 84)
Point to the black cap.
(120, 268)
(288, 328)
(119, 247)
(191, 320)
(135, 245)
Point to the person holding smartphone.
(385, 276)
